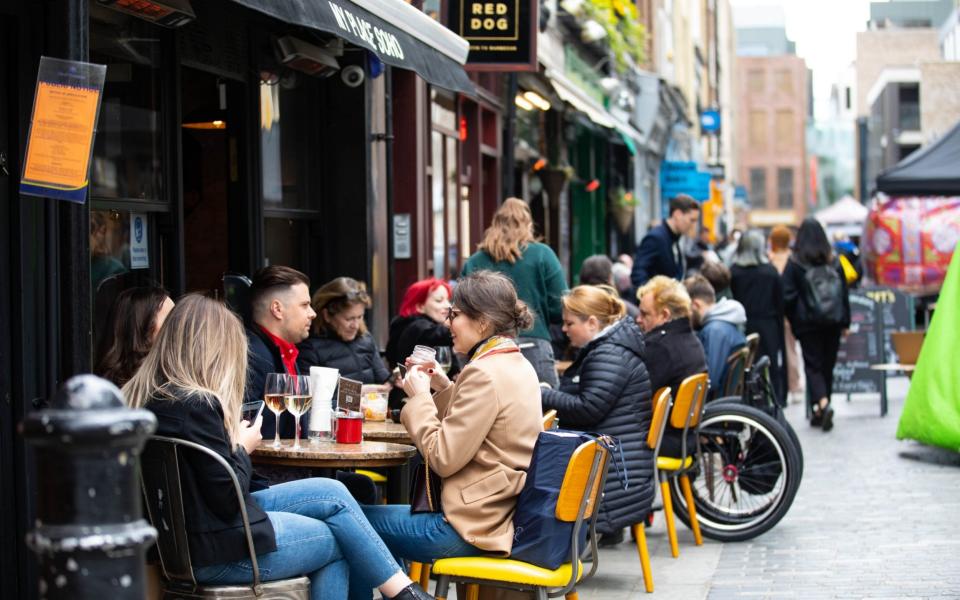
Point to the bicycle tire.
(781, 418)
(744, 450)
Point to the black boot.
(610, 539)
(413, 592)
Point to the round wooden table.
(332, 454)
(386, 431)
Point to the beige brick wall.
(891, 48)
(939, 98)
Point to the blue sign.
(677, 177)
(710, 121)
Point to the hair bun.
(522, 317)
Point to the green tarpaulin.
(931, 413)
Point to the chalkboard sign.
(875, 312)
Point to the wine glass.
(297, 400)
(444, 358)
(273, 393)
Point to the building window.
(289, 146)
(785, 187)
(758, 130)
(127, 153)
(784, 129)
(755, 81)
(784, 79)
(847, 98)
(909, 107)
(445, 204)
(758, 187)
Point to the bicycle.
(749, 463)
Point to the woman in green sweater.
(508, 246)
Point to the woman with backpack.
(818, 308)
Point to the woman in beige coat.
(477, 434)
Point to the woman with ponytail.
(607, 390)
(477, 434)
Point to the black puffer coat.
(607, 390)
(358, 360)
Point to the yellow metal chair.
(661, 407)
(549, 418)
(687, 409)
(579, 496)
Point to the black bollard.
(89, 534)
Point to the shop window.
(127, 154)
(758, 187)
(288, 142)
(785, 187)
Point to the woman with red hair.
(422, 321)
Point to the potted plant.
(622, 207)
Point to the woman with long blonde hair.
(510, 247)
(607, 390)
(193, 381)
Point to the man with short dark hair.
(719, 324)
(282, 315)
(660, 252)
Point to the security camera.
(352, 76)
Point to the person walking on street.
(660, 252)
(779, 254)
(818, 306)
(757, 286)
(509, 247)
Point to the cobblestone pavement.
(874, 518)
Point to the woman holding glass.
(477, 434)
(421, 322)
(193, 381)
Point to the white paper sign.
(139, 252)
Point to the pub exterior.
(340, 138)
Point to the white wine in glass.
(273, 394)
(297, 401)
(444, 358)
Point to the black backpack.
(823, 294)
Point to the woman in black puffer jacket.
(339, 338)
(607, 390)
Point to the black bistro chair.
(236, 293)
(160, 478)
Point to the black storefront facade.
(230, 149)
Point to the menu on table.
(349, 394)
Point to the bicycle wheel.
(781, 419)
(746, 475)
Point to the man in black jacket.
(282, 315)
(659, 252)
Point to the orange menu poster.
(61, 136)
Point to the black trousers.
(819, 357)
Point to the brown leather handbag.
(425, 492)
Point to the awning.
(396, 32)
(572, 94)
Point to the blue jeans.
(321, 532)
(540, 355)
(422, 537)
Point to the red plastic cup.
(350, 428)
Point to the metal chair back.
(160, 480)
(236, 293)
(549, 419)
(736, 367)
(688, 407)
(753, 345)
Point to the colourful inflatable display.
(908, 241)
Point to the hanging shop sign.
(710, 121)
(502, 33)
(397, 33)
(66, 103)
(680, 177)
